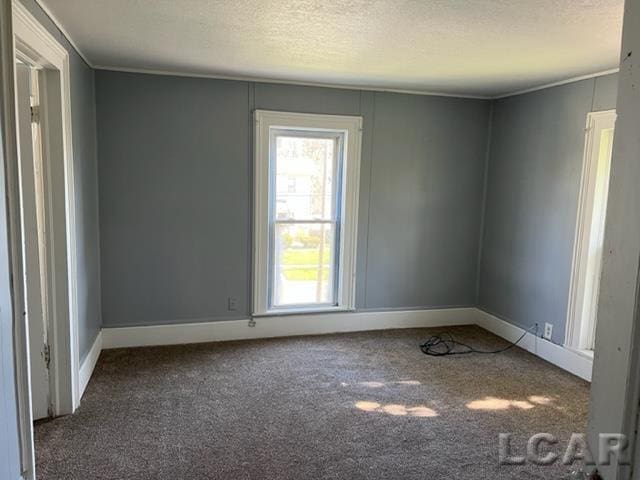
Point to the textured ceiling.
(472, 47)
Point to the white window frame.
(580, 330)
(351, 126)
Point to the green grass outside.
(305, 261)
(305, 256)
(305, 274)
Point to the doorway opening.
(36, 255)
(41, 196)
(590, 226)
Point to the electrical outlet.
(231, 304)
(548, 330)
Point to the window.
(306, 200)
(589, 240)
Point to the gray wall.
(533, 180)
(86, 185)
(425, 203)
(174, 200)
(175, 194)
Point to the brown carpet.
(347, 406)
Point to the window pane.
(304, 178)
(303, 267)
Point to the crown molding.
(248, 78)
(242, 78)
(64, 32)
(558, 83)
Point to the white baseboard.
(563, 357)
(88, 364)
(284, 326)
(325, 323)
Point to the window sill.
(582, 352)
(302, 311)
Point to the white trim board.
(300, 83)
(89, 364)
(248, 78)
(345, 132)
(59, 26)
(342, 322)
(565, 358)
(558, 83)
(580, 327)
(284, 326)
(34, 42)
(36, 46)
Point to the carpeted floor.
(347, 406)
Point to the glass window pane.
(305, 175)
(303, 266)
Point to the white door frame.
(34, 244)
(34, 45)
(579, 331)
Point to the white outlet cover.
(548, 331)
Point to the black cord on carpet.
(442, 345)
